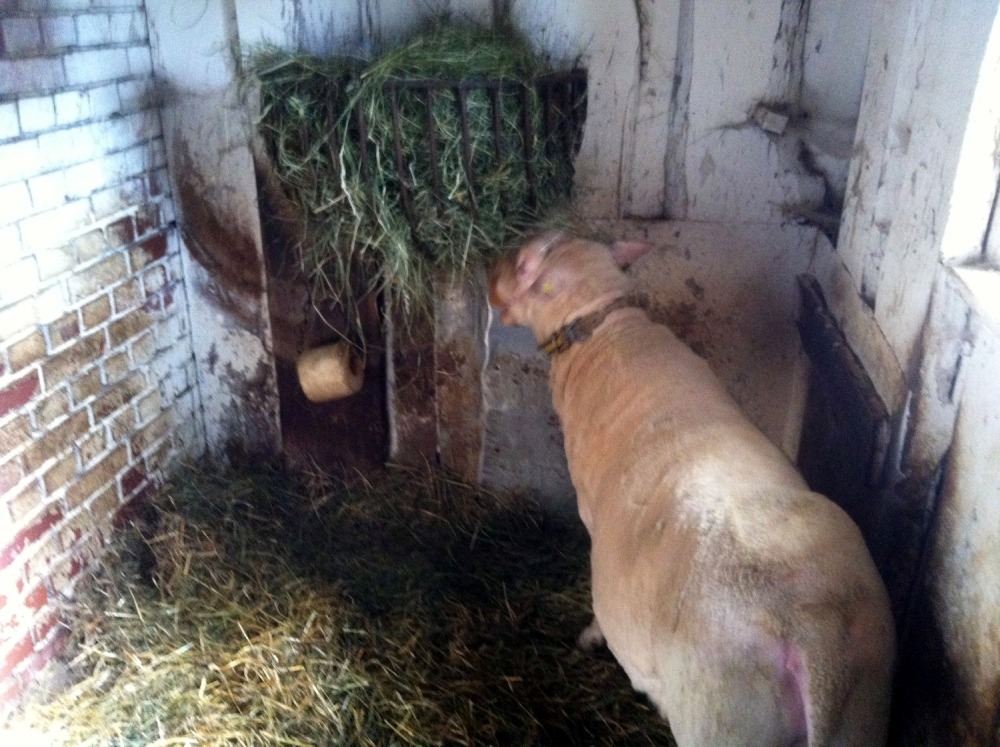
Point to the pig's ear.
(627, 252)
(528, 268)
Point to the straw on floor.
(268, 609)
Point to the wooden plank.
(846, 427)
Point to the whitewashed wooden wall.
(922, 183)
(671, 90)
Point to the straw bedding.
(261, 608)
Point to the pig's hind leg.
(751, 697)
(591, 638)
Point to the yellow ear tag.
(547, 288)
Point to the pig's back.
(640, 412)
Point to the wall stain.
(218, 242)
(690, 323)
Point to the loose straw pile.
(265, 609)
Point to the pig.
(745, 606)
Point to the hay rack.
(561, 97)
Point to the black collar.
(581, 328)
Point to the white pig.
(744, 605)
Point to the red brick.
(63, 366)
(127, 296)
(152, 249)
(134, 511)
(47, 648)
(118, 395)
(11, 473)
(87, 385)
(41, 557)
(25, 352)
(61, 473)
(43, 629)
(25, 501)
(90, 245)
(64, 330)
(65, 571)
(147, 218)
(15, 433)
(134, 478)
(96, 312)
(36, 598)
(42, 526)
(104, 274)
(11, 690)
(121, 232)
(129, 327)
(88, 547)
(56, 440)
(16, 654)
(52, 407)
(14, 616)
(94, 479)
(18, 393)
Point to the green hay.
(408, 611)
(353, 233)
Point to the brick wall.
(97, 384)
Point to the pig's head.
(555, 278)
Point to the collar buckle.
(564, 337)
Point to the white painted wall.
(966, 551)
(671, 89)
(921, 187)
(923, 67)
(208, 132)
(835, 56)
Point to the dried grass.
(341, 186)
(410, 610)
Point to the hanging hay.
(426, 160)
(407, 611)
